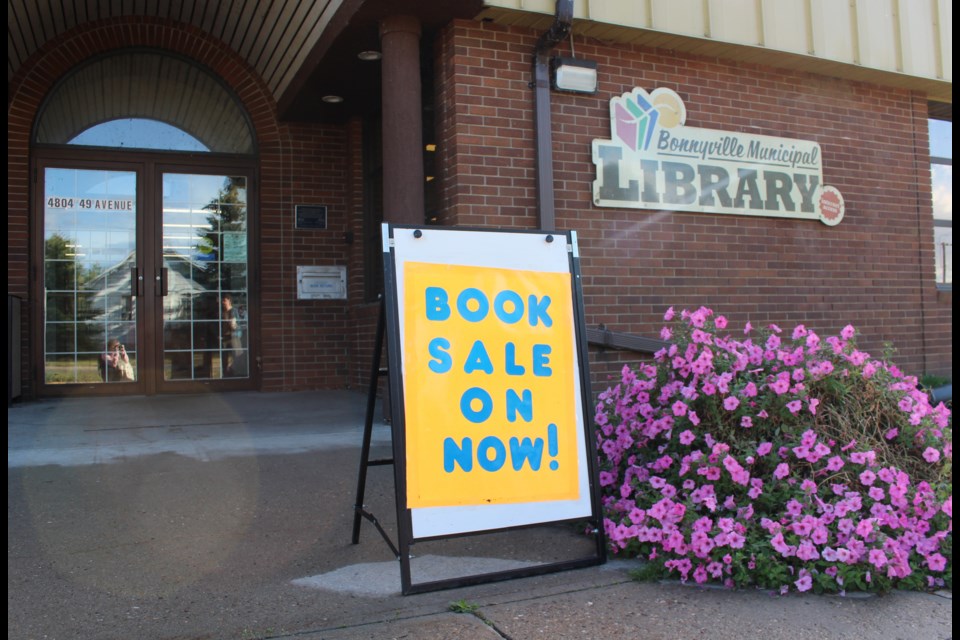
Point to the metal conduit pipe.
(557, 32)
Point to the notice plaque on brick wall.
(311, 216)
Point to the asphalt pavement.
(230, 516)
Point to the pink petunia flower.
(820, 535)
(805, 583)
(936, 562)
(877, 558)
(730, 403)
(782, 385)
(699, 318)
(779, 544)
(835, 463)
(931, 455)
(806, 551)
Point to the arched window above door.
(123, 100)
(138, 133)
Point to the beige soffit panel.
(900, 43)
(273, 37)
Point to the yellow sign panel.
(489, 386)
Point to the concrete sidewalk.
(229, 516)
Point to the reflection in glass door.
(89, 269)
(204, 277)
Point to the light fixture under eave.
(369, 56)
(332, 99)
(570, 74)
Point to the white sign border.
(502, 250)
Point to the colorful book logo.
(634, 121)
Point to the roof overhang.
(334, 68)
(307, 49)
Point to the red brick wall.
(874, 270)
(304, 344)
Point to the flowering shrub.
(783, 462)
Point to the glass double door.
(145, 278)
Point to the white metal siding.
(912, 37)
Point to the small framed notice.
(310, 216)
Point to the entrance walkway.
(77, 431)
(228, 516)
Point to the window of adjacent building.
(941, 170)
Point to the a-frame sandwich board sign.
(489, 388)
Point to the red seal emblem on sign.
(831, 206)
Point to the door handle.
(136, 282)
(161, 282)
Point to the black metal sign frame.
(396, 389)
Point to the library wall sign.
(654, 161)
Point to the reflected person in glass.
(115, 364)
(231, 344)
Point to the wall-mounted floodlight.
(570, 74)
